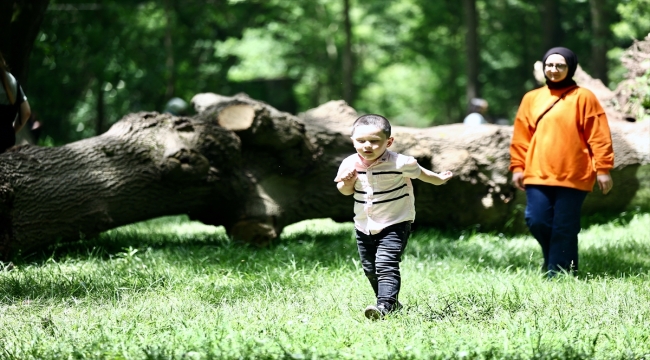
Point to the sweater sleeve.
(599, 139)
(520, 138)
(595, 128)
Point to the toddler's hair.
(374, 120)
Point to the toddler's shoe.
(374, 312)
(398, 306)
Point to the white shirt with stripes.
(383, 193)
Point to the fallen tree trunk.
(244, 165)
(480, 192)
(145, 166)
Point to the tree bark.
(145, 166)
(244, 165)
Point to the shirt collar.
(383, 158)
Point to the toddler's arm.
(346, 181)
(430, 177)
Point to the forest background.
(415, 61)
(171, 288)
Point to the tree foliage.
(92, 63)
(125, 56)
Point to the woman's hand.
(605, 183)
(518, 181)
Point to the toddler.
(384, 209)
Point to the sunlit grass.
(173, 289)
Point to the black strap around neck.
(556, 101)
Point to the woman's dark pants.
(553, 217)
(380, 257)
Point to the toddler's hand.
(349, 177)
(445, 176)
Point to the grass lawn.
(174, 289)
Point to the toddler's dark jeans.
(553, 217)
(380, 257)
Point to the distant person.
(477, 110)
(561, 146)
(14, 108)
(176, 106)
(384, 209)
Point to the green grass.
(174, 289)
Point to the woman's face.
(556, 68)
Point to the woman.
(12, 104)
(561, 146)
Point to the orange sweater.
(571, 144)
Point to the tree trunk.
(18, 35)
(551, 30)
(471, 48)
(598, 41)
(244, 165)
(169, 53)
(145, 166)
(6, 13)
(347, 54)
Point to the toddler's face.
(370, 142)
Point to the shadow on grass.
(134, 262)
(614, 218)
(305, 247)
(148, 234)
(613, 260)
(616, 261)
(115, 263)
